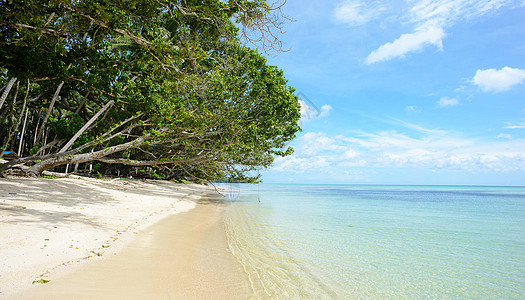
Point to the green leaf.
(41, 281)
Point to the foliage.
(41, 281)
(177, 95)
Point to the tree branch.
(7, 89)
(55, 96)
(75, 137)
(100, 23)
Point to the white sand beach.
(52, 228)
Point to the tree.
(158, 84)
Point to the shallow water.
(402, 242)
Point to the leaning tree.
(162, 85)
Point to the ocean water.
(379, 242)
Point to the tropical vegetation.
(165, 89)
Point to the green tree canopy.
(162, 86)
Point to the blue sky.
(406, 92)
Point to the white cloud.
(447, 12)
(408, 42)
(418, 128)
(492, 80)
(349, 154)
(430, 19)
(519, 125)
(299, 165)
(445, 101)
(411, 109)
(460, 88)
(317, 152)
(310, 112)
(355, 13)
(313, 143)
(305, 111)
(504, 136)
(325, 110)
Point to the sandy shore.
(95, 240)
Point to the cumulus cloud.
(300, 164)
(492, 80)
(312, 143)
(408, 42)
(355, 13)
(309, 112)
(317, 152)
(445, 101)
(325, 110)
(430, 19)
(306, 111)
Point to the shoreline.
(184, 256)
(52, 228)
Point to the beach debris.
(41, 281)
(9, 155)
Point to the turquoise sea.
(379, 242)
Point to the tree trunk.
(23, 106)
(21, 114)
(37, 127)
(82, 103)
(75, 137)
(45, 141)
(7, 90)
(68, 158)
(9, 119)
(43, 125)
(22, 135)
